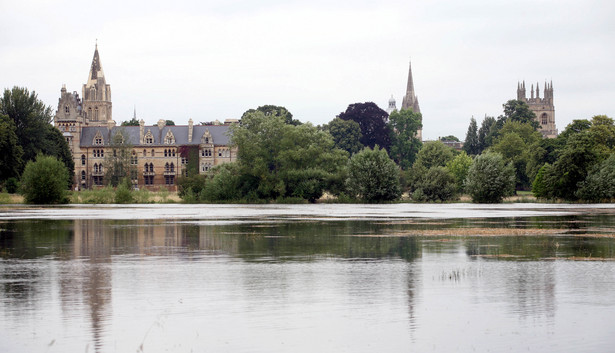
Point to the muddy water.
(305, 278)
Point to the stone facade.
(542, 107)
(155, 151)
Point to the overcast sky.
(214, 59)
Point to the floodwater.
(308, 278)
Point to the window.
(149, 180)
(83, 175)
(149, 138)
(184, 160)
(152, 153)
(165, 153)
(133, 158)
(544, 119)
(169, 179)
(144, 153)
(173, 153)
(172, 167)
(66, 109)
(89, 114)
(83, 159)
(96, 114)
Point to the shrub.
(11, 185)
(373, 176)
(599, 185)
(438, 184)
(490, 179)
(44, 181)
(123, 193)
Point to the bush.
(11, 185)
(373, 176)
(490, 179)
(438, 184)
(123, 193)
(44, 181)
(226, 184)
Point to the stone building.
(542, 107)
(157, 154)
(411, 101)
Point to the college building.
(157, 154)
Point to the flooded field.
(307, 278)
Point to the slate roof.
(219, 134)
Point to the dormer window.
(66, 109)
(149, 138)
(169, 139)
(98, 139)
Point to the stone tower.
(542, 107)
(97, 95)
(410, 101)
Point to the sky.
(215, 59)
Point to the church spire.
(410, 100)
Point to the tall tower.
(542, 107)
(410, 101)
(97, 95)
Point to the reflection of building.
(542, 107)
(158, 154)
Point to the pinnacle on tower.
(410, 100)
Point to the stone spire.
(97, 94)
(410, 100)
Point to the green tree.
(519, 111)
(490, 179)
(459, 167)
(11, 157)
(169, 122)
(283, 160)
(44, 181)
(599, 185)
(434, 154)
(373, 123)
(437, 185)
(131, 122)
(471, 145)
(275, 110)
(484, 133)
(514, 145)
(373, 176)
(117, 164)
(405, 144)
(449, 138)
(346, 135)
(35, 134)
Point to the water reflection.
(128, 285)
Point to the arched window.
(152, 153)
(151, 167)
(83, 159)
(544, 119)
(96, 114)
(83, 175)
(89, 114)
(146, 169)
(165, 152)
(66, 109)
(173, 153)
(172, 167)
(144, 153)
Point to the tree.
(372, 176)
(117, 164)
(459, 167)
(11, 156)
(373, 123)
(438, 185)
(169, 122)
(519, 111)
(449, 138)
(403, 126)
(434, 154)
(490, 179)
(44, 181)
(275, 110)
(471, 145)
(514, 145)
(599, 185)
(32, 120)
(346, 135)
(131, 122)
(484, 133)
(283, 160)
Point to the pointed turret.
(410, 100)
(97, 93)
